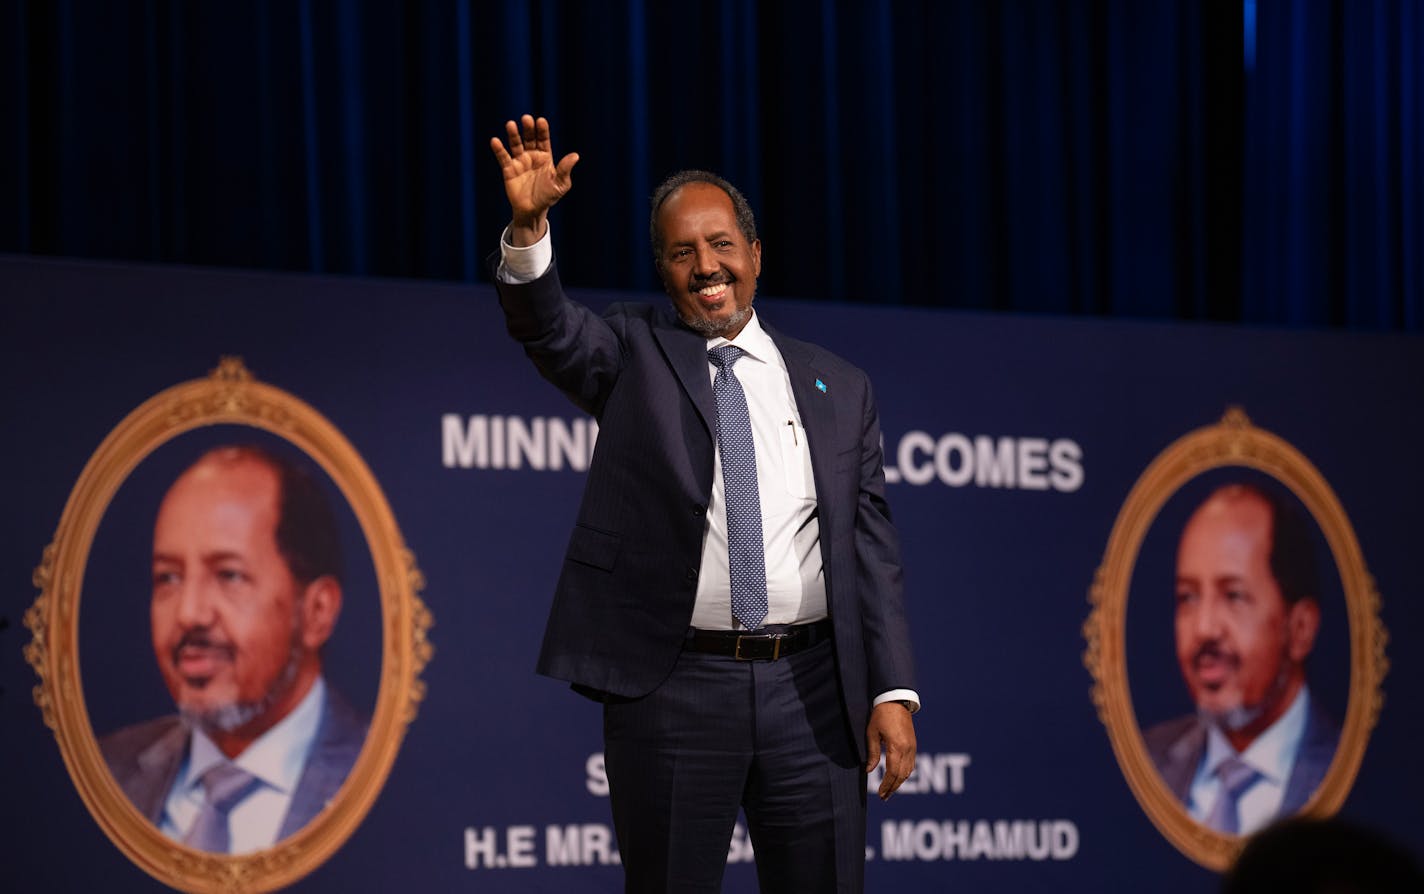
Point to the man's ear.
(1302, 623)
(321, 605)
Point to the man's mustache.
(202, 638)
(1212, 650)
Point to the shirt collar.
(753, 340)
(277, 756)
(1273, 752)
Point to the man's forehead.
(213, 486)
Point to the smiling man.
(246, 591)
(1246, 619)
(731, 591)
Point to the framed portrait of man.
(1235, 640)
(230, 698)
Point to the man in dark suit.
(246, 591)
(1246, 619)
(731, 591)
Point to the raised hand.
(532, 182)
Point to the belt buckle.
(775, 638)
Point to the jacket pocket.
(590, 546)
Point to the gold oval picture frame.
(228, 396)
(1233, 442)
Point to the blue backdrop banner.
(1040, 473)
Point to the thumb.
(872, 749)
(566, 165)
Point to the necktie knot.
(224, 786)
(1236, 776)
(724, 356)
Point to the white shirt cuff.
(899, 695)
(524, 264)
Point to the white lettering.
(464, 445)
(949, 444)
(480, 848)
(515, 442)
(956, 460)
(526, 442)
(915, 441)
(993, 465)
(521, 846)
(1033, 464)
(587, 844)
(981, 839)
(597, 781)
(1066, 458)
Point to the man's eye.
(1186, 596)
(725, 243)
(230, 576)
(165, 578)
(1235, 594)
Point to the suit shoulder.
(122, 747)
(1162, 737)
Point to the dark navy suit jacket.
(145, 759)
(625, 594)
(1177, 746)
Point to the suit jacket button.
(692, 574)
(699, 511)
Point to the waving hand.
(532, 181)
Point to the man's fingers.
(501, 155)
(566, 166)
(898, 767)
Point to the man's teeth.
(713, 290)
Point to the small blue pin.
(821, 386)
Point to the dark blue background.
(997, 579)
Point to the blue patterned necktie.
(1236, 777)
(745, 554)
(225, 785)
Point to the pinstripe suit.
(625, 595)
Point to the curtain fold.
(1257, 161)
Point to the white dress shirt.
(790, 527)
(276, 759)
(1272, 755)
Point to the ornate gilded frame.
(1232, 442)
(230, 395)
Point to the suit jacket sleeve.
(880, 577)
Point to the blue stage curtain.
(1255, 161)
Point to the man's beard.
(233, 716)
(713, 328)
(1234, 720)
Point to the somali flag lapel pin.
(820, 386)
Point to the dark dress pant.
(719, 735)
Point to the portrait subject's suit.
(1177, 746)
(145, 760)
(624, 599)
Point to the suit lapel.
(817, 409)
(158, 769)
(686, 353)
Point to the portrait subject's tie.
(224, 786)
(1236, 777)
(746, 555)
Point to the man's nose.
(707, 263)
(195, 603)
(1208, 619)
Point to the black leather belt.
(767, 644)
